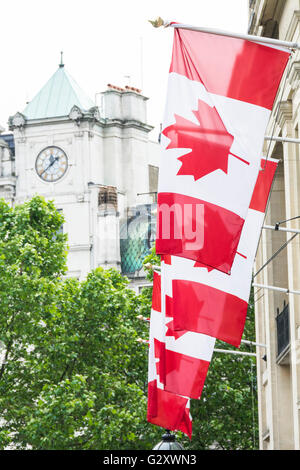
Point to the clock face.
(51, 164)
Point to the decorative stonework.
(95, 113)
(293, 26)
(285, 112)
(294, 75)
(17, 121)
(76, 114)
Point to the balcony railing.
(283, 330)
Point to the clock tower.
(97, 165)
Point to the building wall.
(7, 171)
(113, 152)
(279, 374)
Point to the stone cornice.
(285, 112)
(296, 111)
(60, 120)
(85, 247)
(294, 75)
(128, 124)
(293, 26)
(104, 123)
(7, 181)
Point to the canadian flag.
(165, 409)
(204, 300)
(181, 358)
(168, 410)
(220, 94)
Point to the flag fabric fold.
(180, 358)
(220, 95)
(192, 305)
(166, 409)
(207, 301)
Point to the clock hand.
(52, 163)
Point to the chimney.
(124, 104)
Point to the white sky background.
(103, 41)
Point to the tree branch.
(8, 349)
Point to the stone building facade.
(96, 163)
(278, 312)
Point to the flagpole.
(253, 343)
(248, 37)
(283, 139)
(217, 350)
(278, 289)
(230, 351)
(281, 229)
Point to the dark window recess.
(271, 29)
(108, 198)
(283, 329)
(9, 139)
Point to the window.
(283, 329)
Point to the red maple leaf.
(209, 142)
(166, 259)
(200, 265)
(172, 332)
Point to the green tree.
(73, 375)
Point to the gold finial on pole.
(158, 22)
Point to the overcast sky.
(103, 42)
